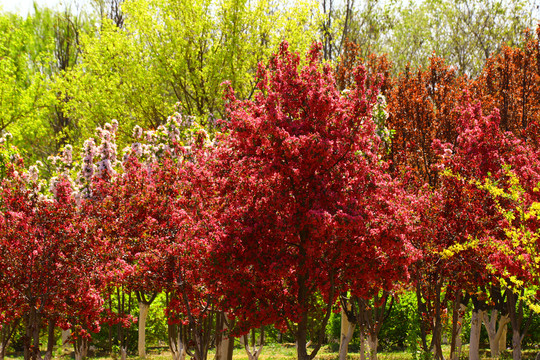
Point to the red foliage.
(510, 82)
(303, 199)
(46, 257)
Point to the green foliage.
(172, 51)
(464, 32)
(36, 51)
(156, 323)
(22, 89)
(400, 329)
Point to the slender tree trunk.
(362, 346)
(254, 352)
(3, 348)
(176, 343)
(495, 333)
(347, 330)
(31, 341)
(81, 348)
(65, 338)
(123, 309)
(373, 342)
(515, 306)
(476, 327)
(301, 338)
(6, 332)
(144, 308)
(437, 328)
(224, 342)
(516, 344)
(502, 340)
(421, 309)
(457, 328)
(51, 340)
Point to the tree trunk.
(123, 353)
(502, 340)
(144, 307)
(476, 327)
(421, 308)
(224, 342)
(515, 305)
(176, 343)
(303, 303)
(31, 340)
(80, 346)
(457, 329)
(347, 330)
(516, 344)
(65, 338)
(373, 342)
(51, 340)
(143, 314)
(301, 338)
(362, 346)
(3, 348)
(437, 326)
(255, 352)
(495, 333)
(6, 332)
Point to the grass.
(283, 352)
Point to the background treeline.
(150, 63)
(66, 71)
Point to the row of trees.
(312, 187)
(328, 185)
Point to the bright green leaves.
(178, 51)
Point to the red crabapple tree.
(47, 263)
(299, 185)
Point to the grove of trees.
(200, 171)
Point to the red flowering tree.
(298, 181)
(148, 213)
(48, 270)
(483, 151)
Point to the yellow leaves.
(456, 248)
(521, 242)
(534, 307)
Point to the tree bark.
(255, 352)
(476, 326)
(303, 303)
(143, 315)
(373, 342)
(502, 340)
(224, 342)
(516, 344)
(144, 308)
(65, 338)
(515, 306)
(176, 342)
(6, 332)
(437, 328)
(362, 346)
(31, 340)
(457, 328)
(51, 340)
(495, 333)
(347, 330)
(81, 348)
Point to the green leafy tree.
(22, 89)
(171, 51)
